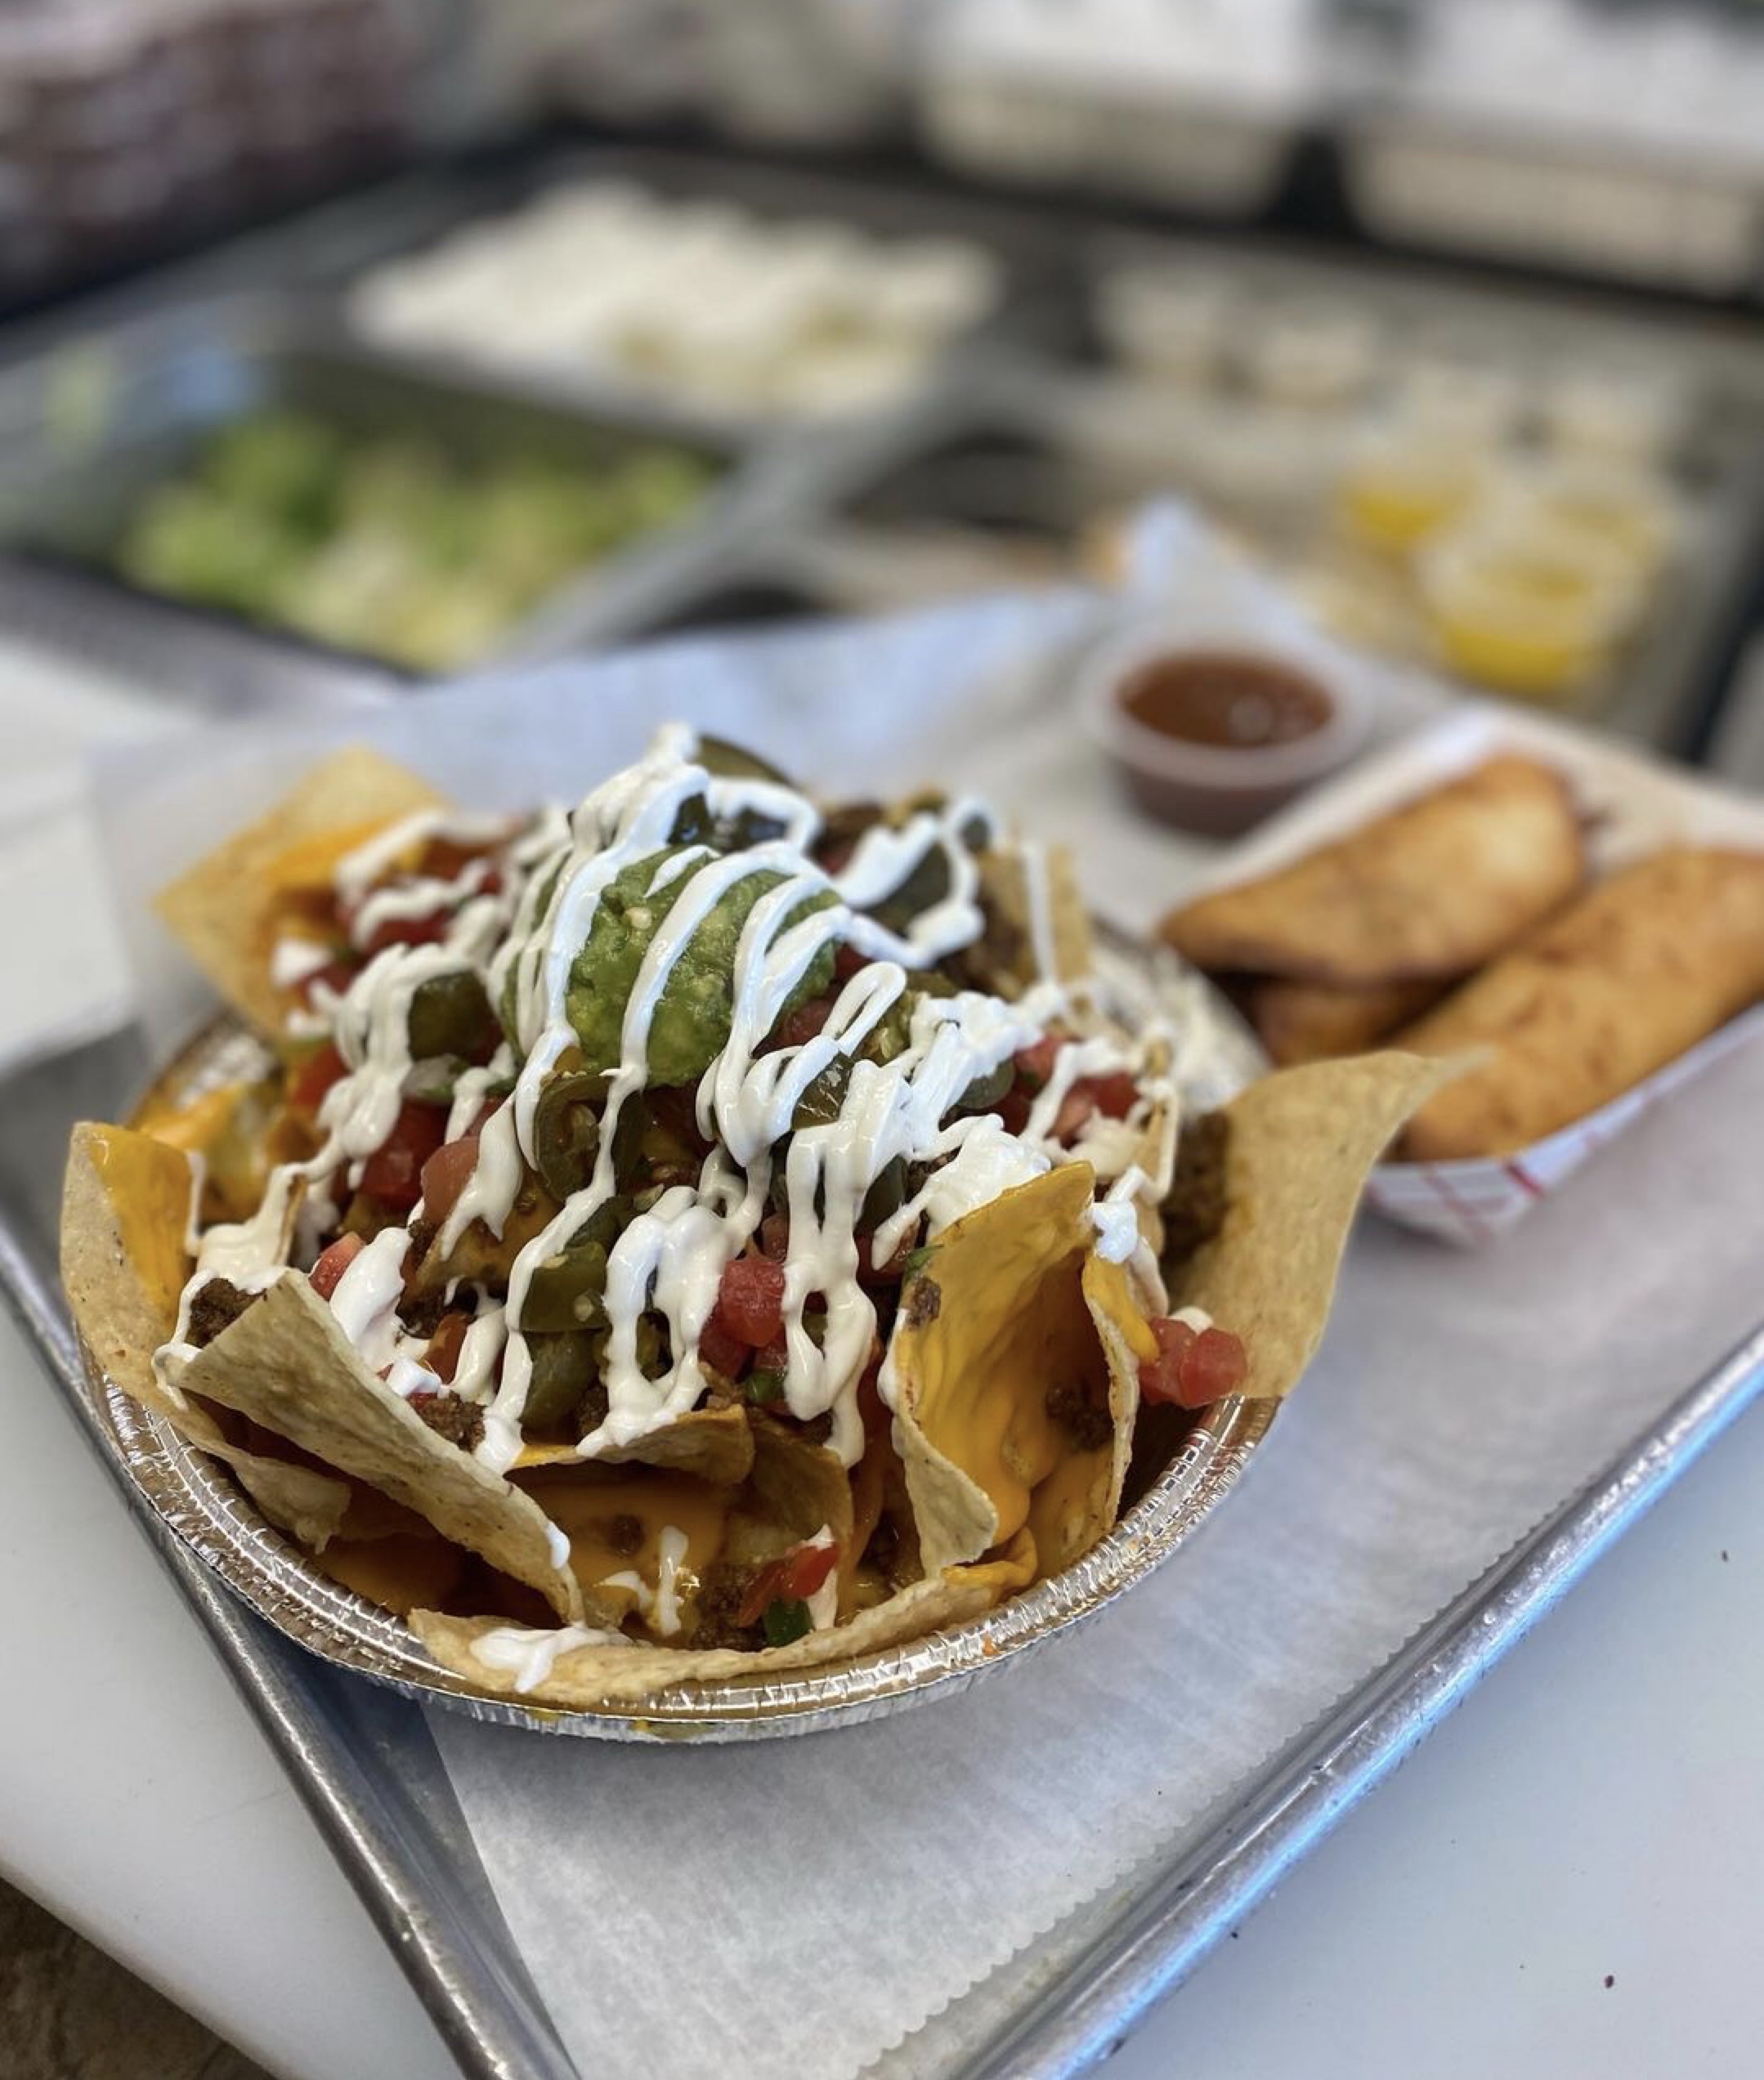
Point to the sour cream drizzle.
(530, 1655)
(369, 1022)
(670, 1260)
(524, 937)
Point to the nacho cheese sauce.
(520, 930)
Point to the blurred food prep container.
(1175, 102)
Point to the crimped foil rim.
(280, 1582)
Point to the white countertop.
(1591, 1812)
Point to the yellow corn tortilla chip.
(125, 1201)
(222, 909)
(286, 1363)
(587, 1677)
(1643, 966)
(1301, 1143)
(1430, 889)
(991, 1328)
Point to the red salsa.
(1226, 698)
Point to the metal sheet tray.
(164, 384)
(364, 1762)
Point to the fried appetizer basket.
(1590, 1001)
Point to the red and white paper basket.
(1637, 803)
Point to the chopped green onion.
(764, 1386)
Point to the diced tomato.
(1075, 1109)
(890, 1271)
(847, 961)
(307, 1083)
(774, 1356)
(792, 1579)
(1035, 1064)
(445, 858)
(1013, 1109)
(442, 1355)
(1192, 1369)
(1114, 1096)
(446, 1173)
(722, 1351)
(334, 977)
(750, 1300)
(393, 1173)
(802, 1024)
(407, 932)
(334, 1261)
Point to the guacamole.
(692, 1019)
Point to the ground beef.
(720, 1596)
(421, 1314)
(1195, 1210)
(422, 1234)
(1071, 1404)
(924, 1302)
(625, 1534)
(215, 1305)
(460, 1422)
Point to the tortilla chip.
(1312, 1021)
(1127, 1342)
(992, 1325)
(715, 1443)
(1301, 1142)
(124, 1205)
(1644, 965)
(589, 1677)
(286, 1363)
(222, 911)
(799, 1488)
(1431, 889)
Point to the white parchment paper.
(801, 1907)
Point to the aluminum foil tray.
(281, 1583)
(363, 1758)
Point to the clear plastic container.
(1405, 480)
(1528, 615)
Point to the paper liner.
(1638, 803)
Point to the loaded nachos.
(703, 1233)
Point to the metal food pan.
(366, 1766)
(1034, 312)
(86, 431)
